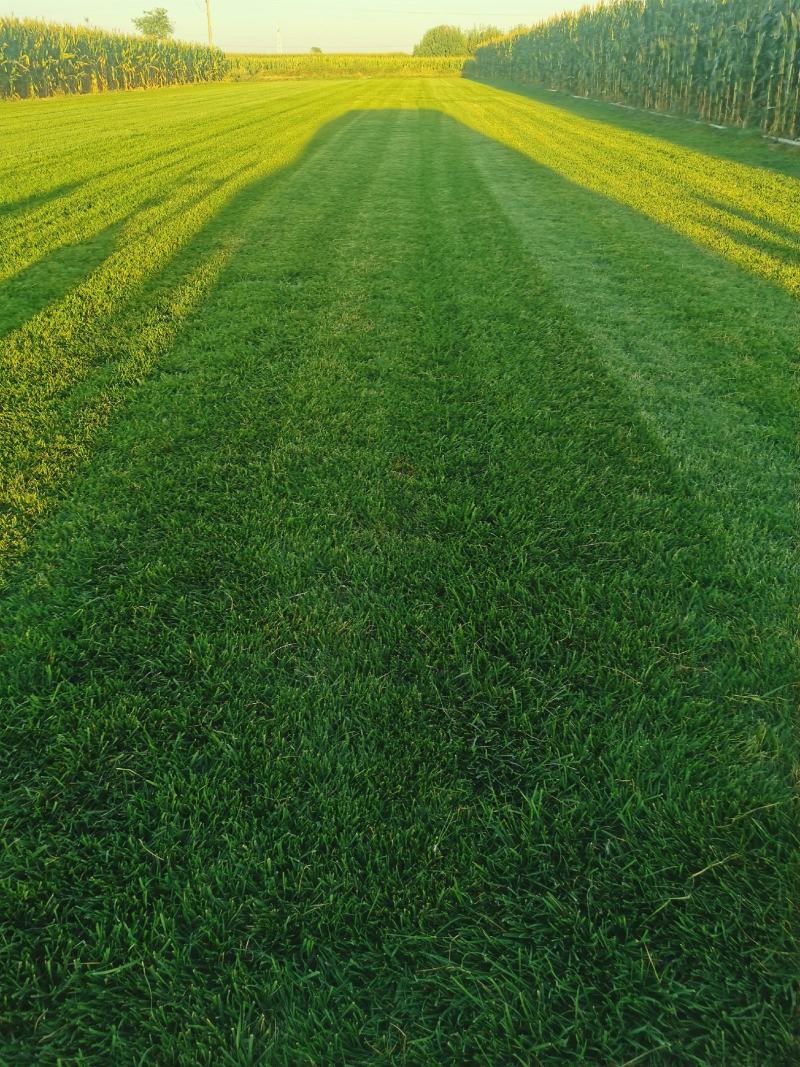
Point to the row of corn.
(41, 58)
(341, 65)
(729, 62)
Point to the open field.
(398, 608)
(338, 65)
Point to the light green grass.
(399, 620)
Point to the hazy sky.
(252, 25)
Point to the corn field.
(41, 58)
(730, 62)
(333, 65)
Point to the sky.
(332, 25)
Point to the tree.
(453, 41)
(155, 24)
(443, 41)
(316, 51)
(479, 35)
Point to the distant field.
(398, 580)
(343, 66)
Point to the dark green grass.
(401, 680)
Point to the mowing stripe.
(381, 687)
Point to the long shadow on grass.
(61, 380)
(159, 170)
(117, 353)
(674, 186)
(46, 281)
(382, 674)
(113, 340)
(33, 200)
(734, 144)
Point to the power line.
(438, 14)
(435, 14)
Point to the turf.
(398, 637)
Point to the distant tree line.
(454, 41)
(155, 24)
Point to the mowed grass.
(398, 638)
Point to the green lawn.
(398, 619)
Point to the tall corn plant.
(41, 58)
(732, 62)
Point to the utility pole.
(280, 41)
(208, 20)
